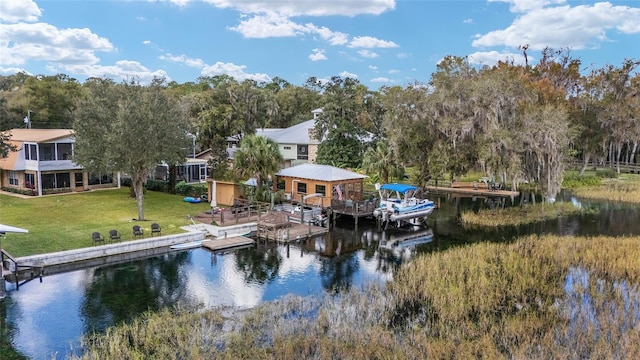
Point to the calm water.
(46, 319)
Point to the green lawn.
(65, 222)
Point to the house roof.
(39, 135)
(296, 134)
(319, 172)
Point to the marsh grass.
(626, 188)
(64, 222)
(485, 300)
(514, 216)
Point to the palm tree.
(257, 157)
(383, 161)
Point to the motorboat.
(398, 204)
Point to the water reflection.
(50, 317)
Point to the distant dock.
(471, 189)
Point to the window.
(47, 152)
(30, 152)
(95, 179)
(65, 151)
(281, 185)
(203, 172)
(302, 152)
(48, 181)
(302, 187)
(13, 178)
(56, 181)
(321, 189)
(78, 179)
(287, 147)
(29, 181)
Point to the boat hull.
(411, 215)
(189, 245)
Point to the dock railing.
(354, 208)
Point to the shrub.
(157, 185)
(574, 180)
(194, 190)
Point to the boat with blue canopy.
(399, 205)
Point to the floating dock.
(227, 243)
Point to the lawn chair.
(155, 228)
(137, 231)
(114, 235)
(97, 238)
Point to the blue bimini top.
(401, 188)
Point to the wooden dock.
(292, 232)
(469, 189)
(227, 243)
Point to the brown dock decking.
(227, 243)
(469, 189)
(289, 233)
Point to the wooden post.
(356, 215)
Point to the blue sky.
(379, 42)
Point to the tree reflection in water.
(259, 265)
(121, 292)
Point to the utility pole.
(27, 119)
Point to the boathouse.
(317, 185)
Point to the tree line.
(514, 122)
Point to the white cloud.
(491, 58)
(124, 69)
(467, 21)
(368, 54)
(334, 37)
(346, 74)
(373, 67)
(381, 80)
(183, 59)
(393, 71)
(370, 42)
(233, 70)
(40, 41)
(526, 5)
(269, 25)
(219, 68)
(317, 55)
(306, 7)
(275, 25)
(576, 27)
(12, 70)
(402, 56)
(14, 11)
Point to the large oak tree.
(129, 128)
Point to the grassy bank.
(625, 188)
(513, 216)
(65, 222)
(486, 300)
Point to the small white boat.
(188, 245)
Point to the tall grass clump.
(611, 191)
(545, 297)
(514, 216)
